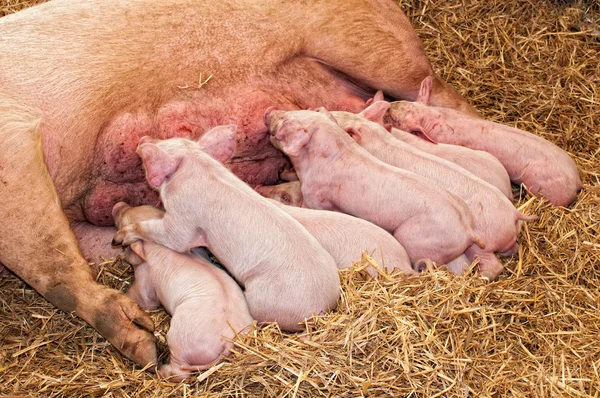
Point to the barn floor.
(534, 64)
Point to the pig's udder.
(121, 175)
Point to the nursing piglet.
(337, 174)
(541, 166)
(496, 219)
(480, 163)
(288, 193)
(345, 237)
(207, 307)
(287, 276)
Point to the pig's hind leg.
(489, 265)
(37, 243)
(173, 372)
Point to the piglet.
(541, 166)
(287, 276)
(337, 174)
(496, 219)
(346, 237)
(482, 164)
(288, 193)
(207, 307)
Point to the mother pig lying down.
(337, 174)
(286, 275)
(82, 81)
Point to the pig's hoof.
(490, 274)
(173, 373)
(122, 322)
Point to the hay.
(533, 64)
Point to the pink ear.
(159, 164)
(117, 212)
(138, 248)
(377, 97)
(292, 139)
(376, 111)
(135, 253)
(325, 112)
(425, 91)
(219, 142)
(420, 132)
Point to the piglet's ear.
(292, 139)
(422, 133)
(219, 142)
(325, 112)
(425, 91)
(135, 253)
(158, 163)
(355, 134)
(376, 111)
(377, 97)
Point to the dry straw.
(534, 64)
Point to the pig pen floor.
(535, 332)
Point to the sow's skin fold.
(287, 276)
(207, 306)
(82, 81)
(544, 168)
(337, 174)
(496, 219)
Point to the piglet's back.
(282, 266)
(345, 237)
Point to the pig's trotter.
(489, 265)
(120, 320)
(51, 262)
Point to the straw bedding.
(535, 332)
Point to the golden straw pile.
(534, 64)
